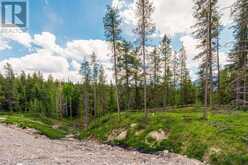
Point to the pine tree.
(155, 72)
(126, 66)
(85, 71)
(112, 23)
(144, 29)
(239, 56)
(137, 79)
(10, 93)
(101, 90)
(95, 70)
(185, 83)
(175, 72)
(156, 64)
(166, 57)
(206, 31)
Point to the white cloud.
(190, 45)
(47, 41)
(173, 16)
(170, 16)
(4, 45)
(18, 36)
(225, 7)
(63, 63)
(78, 49)
(38, 62)
(118, 3)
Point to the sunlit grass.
(223, 139)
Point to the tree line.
(146, 76)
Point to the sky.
(62, 33)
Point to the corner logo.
(14, 14)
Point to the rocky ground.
(25, 147)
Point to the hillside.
(223, 139)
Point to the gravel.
(26, 147)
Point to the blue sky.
(80, 19)
(66, 31)
(75, 19)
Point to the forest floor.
(26, 147)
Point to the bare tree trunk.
(205, 116)
(66, 107)
(95, 101)
(136, 94)
(244, 85)
(127, 81)
(174, 83)
(116, 80)
(208, 67)
(210, 53)
(70, 108)
(144, 58)
(218, 66)
(145, 88)
(165, 84)
(244, 94)
(86, 112)
(237, 92)
(128, 95)
(60, 102)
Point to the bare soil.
(26, 147)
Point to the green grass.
(42, 124)
(223, 139)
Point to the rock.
(165, 152)
(158, 136)
(118, 134)
(134, 125)
(214, 150)
(56, 126)
(70, 136)
(122, 136)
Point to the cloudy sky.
(62, 33)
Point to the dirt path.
(20, 147)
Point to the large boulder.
(158, 136)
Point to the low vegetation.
(223, 139)
(45, 126)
